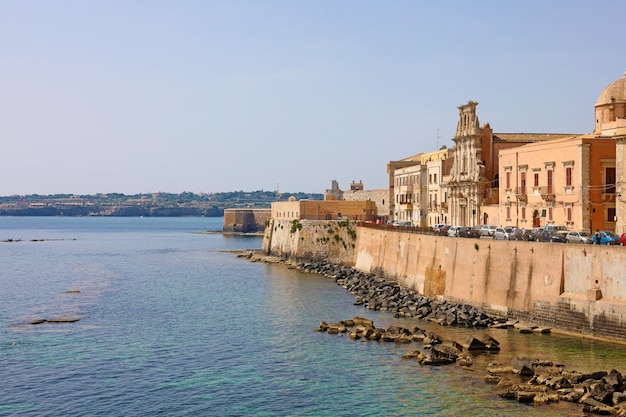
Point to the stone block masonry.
(544, 283)
(245, 220)
(573, 288)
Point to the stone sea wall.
(575, 288)
(316, 240)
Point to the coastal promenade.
(572, 288)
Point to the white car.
(578, 237)
(453, 231)
(503, 233)
(487, 230)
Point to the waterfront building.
(568, 181)
(610, 122)
(358, 193)
(473, 186)
(415, 191)
(438, 168)
(364, 210)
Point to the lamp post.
(473, 207)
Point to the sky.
(139, 96)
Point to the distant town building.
(358, 193)
(363, 210)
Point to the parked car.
(524, 234)
(549, 236)
(487, 230)
(578, 237)
(503, 233)
(607, 238)
(622, 239)
(453, 231)
(471, 232)
(402, 224)
(443, 230)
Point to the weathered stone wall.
(579, 288)
(245, 220)
(328, 240)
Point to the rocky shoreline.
(526, 380)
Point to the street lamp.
(473, 207)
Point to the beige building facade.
(324, 210)
(357, 192)
(416, 193)
(560, 181)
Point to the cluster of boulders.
(525, 380)
(376, 293)
(440, 352)
(545, 382)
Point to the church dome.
(614, 92)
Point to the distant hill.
(150, 204)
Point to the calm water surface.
(171, 324)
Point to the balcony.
(547, 193)
(520, 194)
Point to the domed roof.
(616, 91)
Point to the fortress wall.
(245, 220)
(548, 284)
(322, 240)
(577, 288)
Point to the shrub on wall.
(295, 225)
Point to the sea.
(159, 317)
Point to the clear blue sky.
(136, 96)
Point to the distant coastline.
(115, 212)
(159, 204)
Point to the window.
(610, 214)
(550, 216)
(524, 213)
(522, 181)
(549, 184)
(435, 177)
(568, 176)
(536, 179)
(610, 181)
(508, 180)
(568, 212)
(508, 212)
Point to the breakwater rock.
(376, 293)
(440, 351)
(526, 380)
(543, 382)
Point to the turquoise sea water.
(171, 324)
